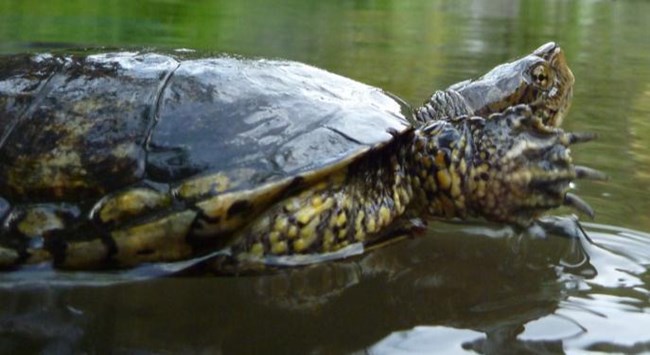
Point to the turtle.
(114, 160)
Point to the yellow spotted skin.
(332, 214)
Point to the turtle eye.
(541, 75)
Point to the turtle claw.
(575, 202)
(583, 172)
(578, 137)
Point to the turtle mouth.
(553, 115)
(558, 97)
(550, 115)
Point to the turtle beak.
(547, 50)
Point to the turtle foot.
(523, 168)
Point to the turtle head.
(542, 80)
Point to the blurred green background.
(410, 48)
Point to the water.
(461, 287)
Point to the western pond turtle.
(112, 160)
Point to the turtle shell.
(86, 126)
(272, 119)
(117, 140)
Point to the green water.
(460, 288)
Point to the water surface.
(460, 287)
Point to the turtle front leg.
(522, 168)
(343, 211)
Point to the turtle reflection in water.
(112, 160)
